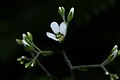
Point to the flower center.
(60, 36)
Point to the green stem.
(87, 66)
(106, 62)
(36, 47)
(103, 67)
(92, 66)
(43, 68)
(68, 64)
(63, 17)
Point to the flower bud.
(24, 36)
(25, 43)
(19, 41)
(114, 76)
(61, 11)
(29, 35)
(106, 73)
(70, 14)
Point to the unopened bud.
(107, 73)
(25, 43)
(61, 11)
(24, 36)
(19, 41)
(70, 14)
(29, 35)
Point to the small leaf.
(83, 69)
(19, 41)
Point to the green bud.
(23, 57)
(113, 55)
(19, 41)
(29, 35)
(29, 48)
(19, 59)
(21, 62)
(114, 48)
(70, 14)
(25, 43)
(27, 64)
(32, 64)
(24, 36)
(61, 11)
(114, 76)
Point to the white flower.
(59, 31)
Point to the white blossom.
(59, 31)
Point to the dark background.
(91, 35)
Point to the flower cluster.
(60, 31)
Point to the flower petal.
(55, 27)
(52, 36)
(63, 28)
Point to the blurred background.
(91, 35)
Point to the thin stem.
(35, 58)
(92, 66)
(36, 47)
(87, 66)
(103, 67)
(67, 60)
(43, 68)
(63, 17)
(68, 64)
(105, 62)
